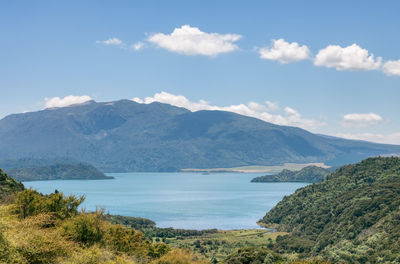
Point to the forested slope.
(353, 215)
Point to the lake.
(180, 200)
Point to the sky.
(328, 67)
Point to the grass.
(221, 244)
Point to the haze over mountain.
(129, 136)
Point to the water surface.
(179, 200)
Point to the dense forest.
(351, 216)
(307, 174)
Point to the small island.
(309, 174)
(59, 171)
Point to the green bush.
(30, 202)
(85, 228)
(253, 255)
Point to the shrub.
(253, 255)
(30, 202)
(31, 242)
(179, 256)
(85, 228)
(95, 255)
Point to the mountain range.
(123, 136)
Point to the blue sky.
(314, 77)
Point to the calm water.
(179, 200)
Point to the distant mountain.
(307, 174)
(353, 216)
(127, 136)
(58, 172)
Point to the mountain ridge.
(123, 135)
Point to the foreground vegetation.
(36, 228)
(308, 174)
(353, 216)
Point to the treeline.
(150, 230)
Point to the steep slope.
(306, 174)
(127, 136)
(352, 216)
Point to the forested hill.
(124, 136)
(307, 174)
(78, 171)
(352, 216)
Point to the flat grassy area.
(266, 169)
(221, 244)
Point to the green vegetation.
(307, 174)
(352, 216)
(36, 229)
(221, 244)
(79, 171)
(8, 185)
(254, 255)
(150, 230)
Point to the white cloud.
(285, 52)
(353, 58)
(272, 106)
(189, 40)
(392, 68)
(111, 42)
(361, 120)
(391, 138)
(66, 101)
(290, 116)
(138, 46)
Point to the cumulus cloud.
(289, 117)
(66, 101)
(285, 52)
(189, 40)
(272, 106)
(138, 46)
(391, 138)
(353, 58)
(111, 42)
(392, 68)
(361, 120)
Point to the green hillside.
(352, 216)
(307, 174)
(78, 171)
